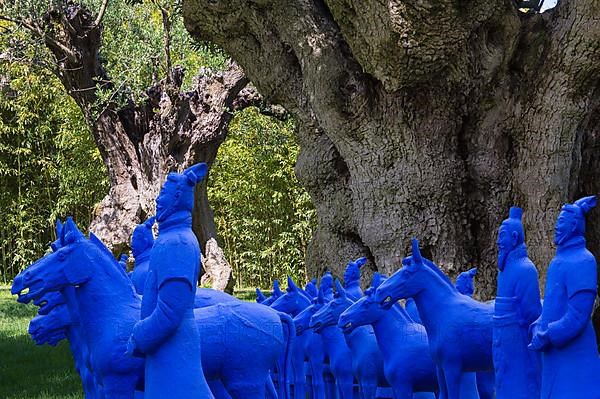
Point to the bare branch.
(101, 13)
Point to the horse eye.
(61, 256)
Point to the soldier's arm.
(563, 330)
(528, 292)
(174, 297)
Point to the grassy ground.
(28, 371)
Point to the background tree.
(143, 127)
(426, 118)
(42, 128)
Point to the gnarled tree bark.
(144, 141)
(426, 118)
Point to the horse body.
(105, 308)
(458, 327)
(367, 360)
(407, 362)
(245, 334)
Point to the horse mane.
(439, 272)
(110, 258)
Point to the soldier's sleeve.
(173, 300)
(528, 292)
(581, 285)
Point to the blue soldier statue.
(564, 332)
(142, 240)
(517, 306)
(167, 334)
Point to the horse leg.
(270, 389)
(468, 386)
(442, 389)
(345, 385)
(246, 387)
(403, 391)
(119, 386)
(218, 389)
(318, 382)
(453, 376)
(368, 389)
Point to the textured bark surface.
(218, 270)
(426, 118)
(142, 142)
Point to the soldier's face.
(166, 200)
(566, 225)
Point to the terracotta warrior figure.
(517, 306)
(167, 334)
(142, 241)
(564, 332)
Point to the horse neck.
(388, 328)
(334, 340)
(300, 306)
(433, 297)
(106, 292)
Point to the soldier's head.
(571, 220)
(142, 238)
(177, 194)
(510, 235)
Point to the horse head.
(293, 301)
(363, 312)
(48, 302)
(311, 288)
(260, 297)
(330, 313)
(52, 339)
(406, 282)
(464, 282)
(302, 319)
(57, 269)
(352, 272)
(43, 326)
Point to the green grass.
(28, 371)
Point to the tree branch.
(101, 13)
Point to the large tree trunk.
(142, 142)
(426, 118)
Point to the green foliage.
(263, 216)
(49, 165)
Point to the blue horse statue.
(276, 293)
(367, 360)
(459, 328)
(352, 278)
(309, 344)
(407, 362)
(89, 265)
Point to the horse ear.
(473, 272)
(70, 232)
(360, 262)
(416, 252)
(260, 297)
(58, 228)
(276, 290)
(150, 222)
(340, 289)
(291, 285)
(376, 281)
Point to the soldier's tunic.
(517, 306)
(571, 365)
(168, 334)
